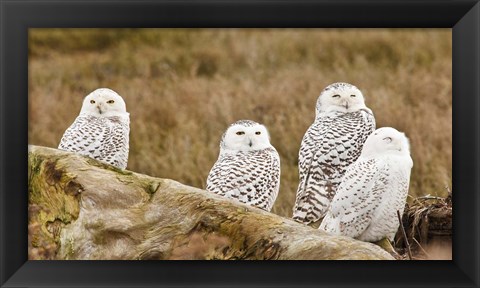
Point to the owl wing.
(116, 141)
(357, 198)
(84, 136)
(303, 203)
(266, 197)
(245, 176)
(328, 147)
(219, 174)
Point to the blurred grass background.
(183, 87)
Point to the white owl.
(334, 141)
(248, 166)
(373, 189)
(101, 130)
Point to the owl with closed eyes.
(332, 142)
(101, 130)
(248, 166)
(373, 189)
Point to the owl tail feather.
(313, 206)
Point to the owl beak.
(346, 104)
(99, 108)
(250, 143)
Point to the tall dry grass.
(183, 87)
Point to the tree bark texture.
(80, 208)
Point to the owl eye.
(353, 95)
(110, 101)
(336, 96)
(258, 133)
(388, 139)
(240, 133)
(92, 101)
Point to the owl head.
(340, 97)
(386, 140)
(245, 135)
(104, 102)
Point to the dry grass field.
(183, 87)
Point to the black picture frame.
(463, 16)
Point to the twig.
(429, 197)
(419, 245)
(404, 235)
(448, 189)
(410, 196)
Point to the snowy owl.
(373, 189)
(101, 130)
(248, 166)
(334, 141)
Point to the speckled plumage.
(101, 130)
(246, 171)
(329, 146)
(373, 189)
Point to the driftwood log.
(80, 208)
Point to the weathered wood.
(83, 209)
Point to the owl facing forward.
(334, 140)
(373, 189)
(101, 130)
(248, 166)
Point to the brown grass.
(183, 87)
